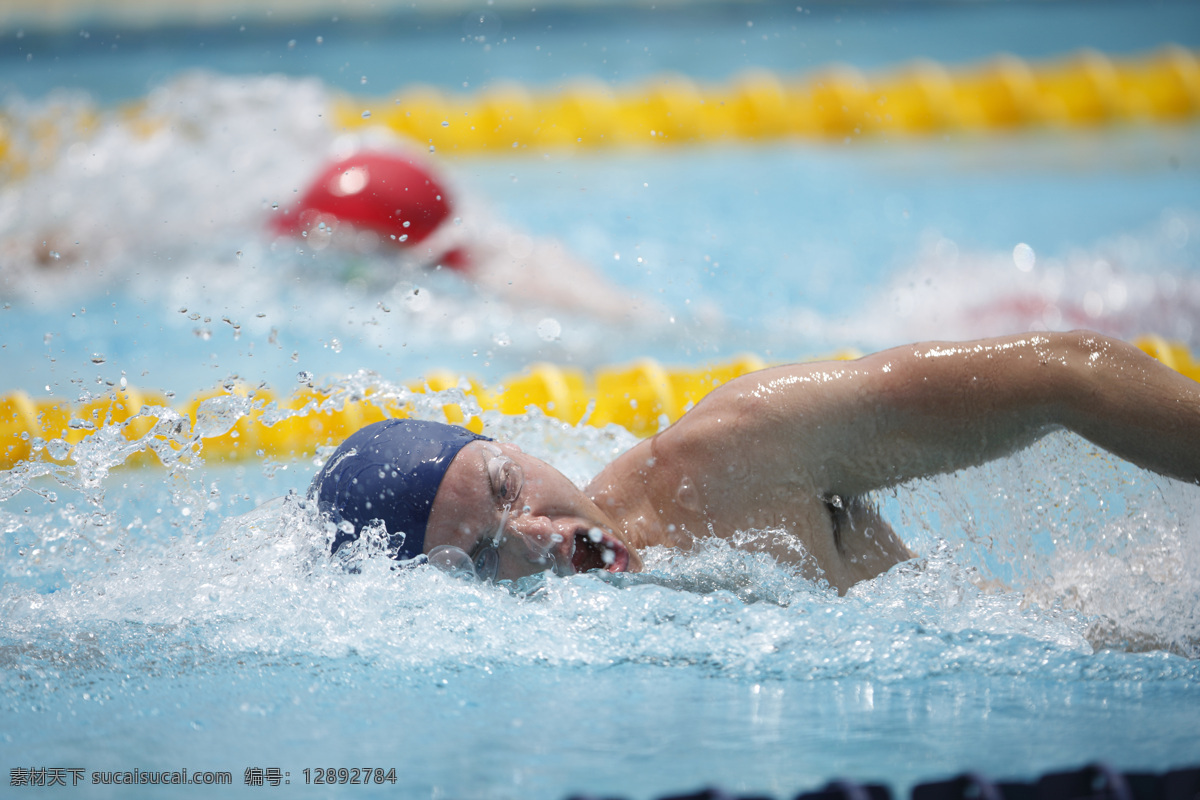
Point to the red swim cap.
(393, 195)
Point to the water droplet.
(366, 114)
(58, 449)
(549, 330)
(304, 376)
(445, 123)
(432, 149)
(335, 345)
(291, 44)
(98, 358)
(1024, 257)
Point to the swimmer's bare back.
(790, 447)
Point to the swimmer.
(397, 199)
(794, 448)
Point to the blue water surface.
(151, 618)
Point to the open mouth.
(595, 549)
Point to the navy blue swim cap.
(389, 471)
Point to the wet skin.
(550, 523)
(791, 451)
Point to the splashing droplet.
(1024, 257)
(58, 449)
(549, 330)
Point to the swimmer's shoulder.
(637, 490)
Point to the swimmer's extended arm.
(929, 408)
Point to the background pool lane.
(786, 251)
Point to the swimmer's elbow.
(1091, 371)
(1068, 374)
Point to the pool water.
(185, 616)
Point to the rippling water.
(186, 615)
(186, 618)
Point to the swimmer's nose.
(530, 527)
(540, 535)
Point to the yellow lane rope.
(641, 397)
(1081, 90)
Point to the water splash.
(119, 569)
(1070, 527)
(1123, 285)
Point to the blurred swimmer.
(793, 449)
(396, 198)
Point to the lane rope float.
(1084, 89)
(1004, 93)
(240, 423)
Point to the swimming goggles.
(483, 562)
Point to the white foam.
(989, 597)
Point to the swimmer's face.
(537, 518)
